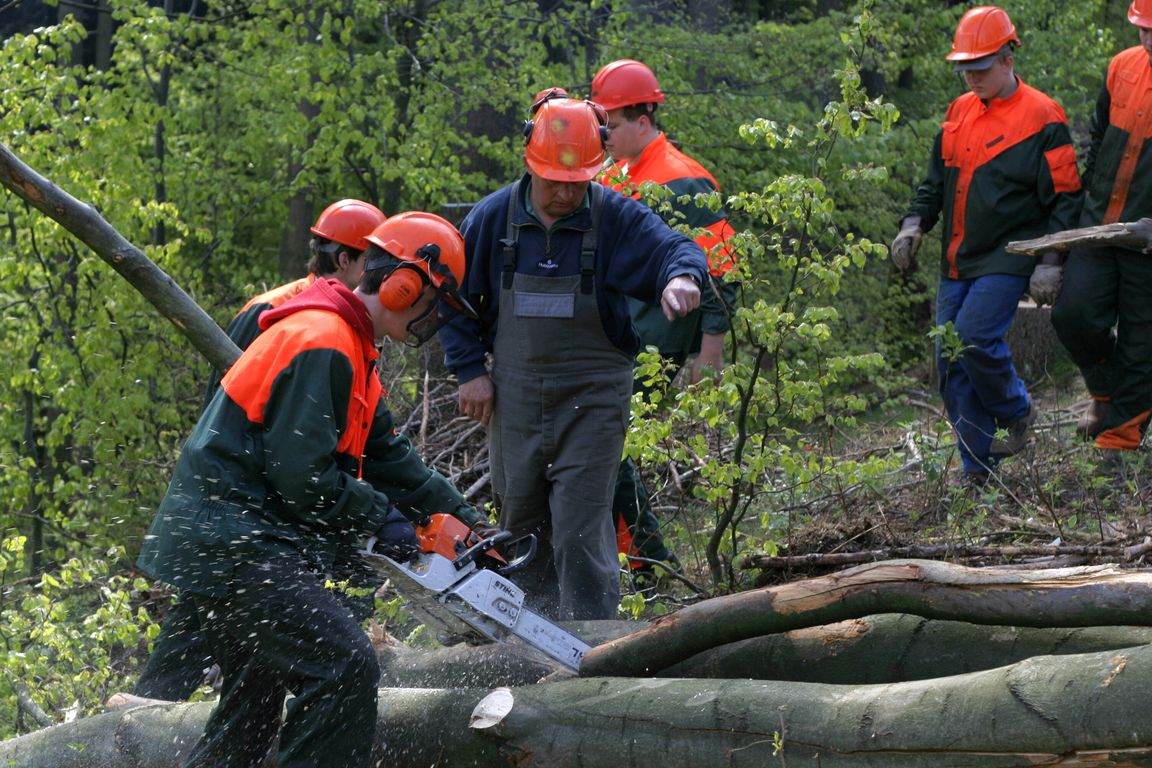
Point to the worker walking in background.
(1104, 314)
(1002, 168)
(641, 153)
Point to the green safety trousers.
(1104, 318)
(279, 631)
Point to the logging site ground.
(1053, 505)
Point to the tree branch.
(83, 221)
(1136, 235)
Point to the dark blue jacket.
(636, 255)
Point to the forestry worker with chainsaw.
(343, 233)
(282, 467)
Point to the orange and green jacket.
(245, 326)
(1118, 167)
(999, 172)
(662, 163)
(295, 454)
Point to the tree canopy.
(212, 133)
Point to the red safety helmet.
(982, 31)
(624, 83)
(1140, 13)
(565, 140)
(424, 250)
(348, 222)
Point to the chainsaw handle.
(480, 547)
(522, 560)
(503, 537)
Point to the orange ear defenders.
(403, 287)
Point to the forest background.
(212, 133)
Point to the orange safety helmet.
(348, 222)
(423, 249)
(565, 140)
(624, 83)
(982, 31)
(1140, 13)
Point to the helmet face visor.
(447, 305)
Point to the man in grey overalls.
(551, 260)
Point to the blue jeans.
(981, 389)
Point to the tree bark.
(1136, 235)
(1118, 552)
(1068, 597)
(893, 648)
(1069, 710)
(83, 221)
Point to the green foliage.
(777, 405)
(207, 136)
(69, 638)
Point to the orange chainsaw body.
(449, 537)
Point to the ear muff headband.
(557, 93)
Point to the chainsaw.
(457, 584)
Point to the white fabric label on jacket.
(545, 304)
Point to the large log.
(83, 221)
(1068, 597)
(894, 648)
(1136, 235)
(886, 648)
(1088, 710)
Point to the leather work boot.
(1091, 422)
(1019, 432)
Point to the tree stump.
(1036, 350)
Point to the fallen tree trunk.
(886, 648)
(1119, 553)
(1070, 710)
(1068, 597)
(893, 648)
(83, 221)
(1136, 235)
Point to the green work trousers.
(279, 630)
(1104, 318)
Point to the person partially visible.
(180, 660)
(551, 260)
(1002, 168)
(642, 153)
(1104, 313)
(286, 463)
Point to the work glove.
(1044, 285)
(484, 529)
(396, 538)
(906, 244)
